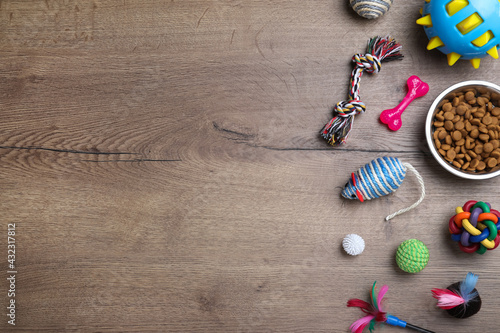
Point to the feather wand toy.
(375, 313)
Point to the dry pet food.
(466, 130)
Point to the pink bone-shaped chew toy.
(416, 88)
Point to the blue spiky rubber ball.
(462, 29)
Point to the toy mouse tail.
(422, 194)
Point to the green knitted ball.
(412, 256)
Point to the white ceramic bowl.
(429, 129)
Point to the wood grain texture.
(162, 163)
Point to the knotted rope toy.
(379, 49)
(376, 314)
(475, 227)
(380, 177)
(461, 299)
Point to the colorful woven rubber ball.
(412, 256)
(475, 227)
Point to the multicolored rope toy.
(380, 177)
(379, 49)
(375, 314)
(475, 227)
(461, 299)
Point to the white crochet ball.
(353, 244)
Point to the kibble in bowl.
(463, 129)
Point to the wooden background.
(162, 164)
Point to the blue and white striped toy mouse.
(380, 177)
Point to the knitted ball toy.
(475, 227)
(461, 299)
(462, 29)
(412, 256)
(371, 9)
(353, 244)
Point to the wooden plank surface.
(162, 164)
